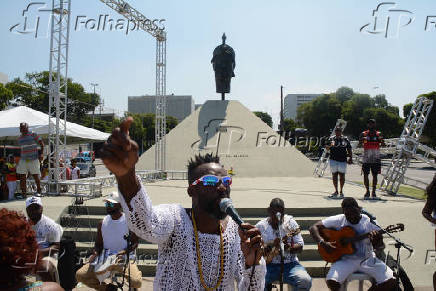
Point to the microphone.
(226, 206)
(371, 217)
(282, 245)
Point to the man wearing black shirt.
(340, 148)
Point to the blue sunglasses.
(109, 204)
(211, 180)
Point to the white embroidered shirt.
(169, 226)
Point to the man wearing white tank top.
(111, 242)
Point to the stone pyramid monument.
(241, 139)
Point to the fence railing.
(93, 187)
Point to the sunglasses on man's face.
(211, 180)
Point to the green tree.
(6, 95)
(33, 93)
(265, 117)
(319, 116)
(344, 94)
(406, 110)
(289, 125)
(143, 128)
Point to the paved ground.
(298, 192)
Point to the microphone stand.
(282, 252)
(127, 263)
(398, 245)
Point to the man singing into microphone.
(199, 248)
(293, 273)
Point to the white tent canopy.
(38, 122)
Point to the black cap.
(371, 120)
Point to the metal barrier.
(93, 187)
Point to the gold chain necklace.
(197, 248)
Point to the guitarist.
(364, 259)
(294, 273)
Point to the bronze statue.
(223, 61)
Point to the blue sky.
(307, 46)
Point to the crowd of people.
(200, 247)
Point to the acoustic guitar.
(270, 250)
(344, 238)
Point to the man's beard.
(111, 211)
(213, 209)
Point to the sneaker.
(366, 196)
(334, 195)
(341, 196)
(39, 195)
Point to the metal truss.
(160, 127)
(59, 41)
(323, 160)
(407, 146)
(151, 27)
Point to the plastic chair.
(361, 277)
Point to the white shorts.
(336, 166)
(375, 268)
(28, 166)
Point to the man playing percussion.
(110, 249)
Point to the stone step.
(70, 220)
(243, 212)
(84, 234)
(149, 251)
(314, 268)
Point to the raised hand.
(120, 152)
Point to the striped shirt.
(29, 145)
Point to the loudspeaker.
(67, 263)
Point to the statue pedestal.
(241, 140)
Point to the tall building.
(293, 101)
(178, 106)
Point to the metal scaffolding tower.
(147, 25)
(161, 120)
(60, 31)
(323, 160)
(407, 145)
